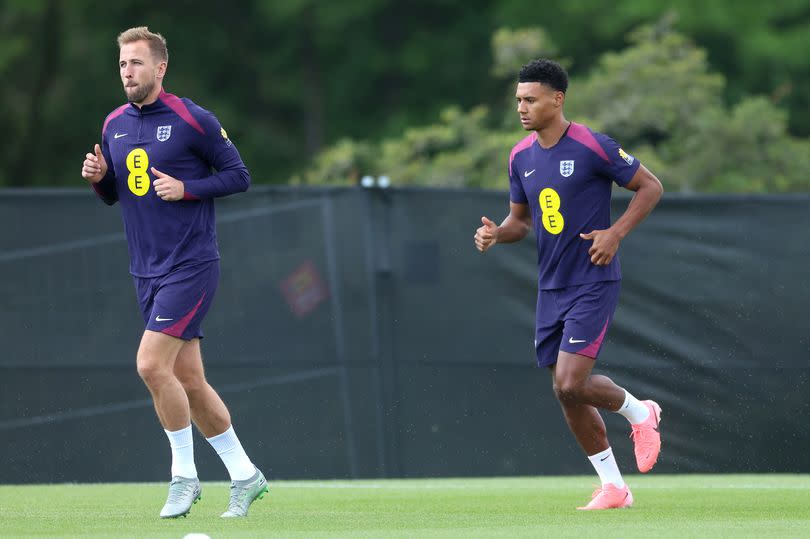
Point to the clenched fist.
(95, 166)
(487, 235)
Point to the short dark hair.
(546, 72)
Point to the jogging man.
(560, 179)
(156, 158)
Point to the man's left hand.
(167, 188)
(605, 245)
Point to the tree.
(288, 79)
(657, 96)
(760, 47)
(20, 59)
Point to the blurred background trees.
(712, 96)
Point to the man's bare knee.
(568, 392)
(192, 383)
(152, 370)
(156, 358)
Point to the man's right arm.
(516, 225)
(100, 176)
(106, 190)
(514, 228)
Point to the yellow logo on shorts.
(138, 165)
(550, 206)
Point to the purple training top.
(567, 188)
(185, 141)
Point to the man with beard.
(156, 158)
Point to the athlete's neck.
(151, 98)
(551, 134)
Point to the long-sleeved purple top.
(185, 141)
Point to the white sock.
(605, 465)
(633, 409)
(233, 456)
(182, 444)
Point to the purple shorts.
(176, 303)
(574, 319)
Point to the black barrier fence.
(358, 333)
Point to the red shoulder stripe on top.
(114, 114)
(177, 105)
(581, 134)
(522, 145)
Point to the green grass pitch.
(713, 506)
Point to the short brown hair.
(157, 43)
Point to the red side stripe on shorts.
(592, 350)
(177, 329)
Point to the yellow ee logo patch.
(626, 156)
(225, 136)
(138, 164)
(550, 206)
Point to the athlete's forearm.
(642, 203)
(105, 189)
(223, 183)
(512, 229)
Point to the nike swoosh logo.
(119, 135)
(575, 341)
(159, 319)
(604, 459)
(527, 174)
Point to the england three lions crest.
(566, 168)
(165, 131)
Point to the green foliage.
(289, 79)
(657, 97)
(760, 47)
(286, 79)
(340, 164)
(511, 48)
(746, 150)
(458, 151)
(656, 88)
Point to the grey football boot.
(183, 493)
(244, 493)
